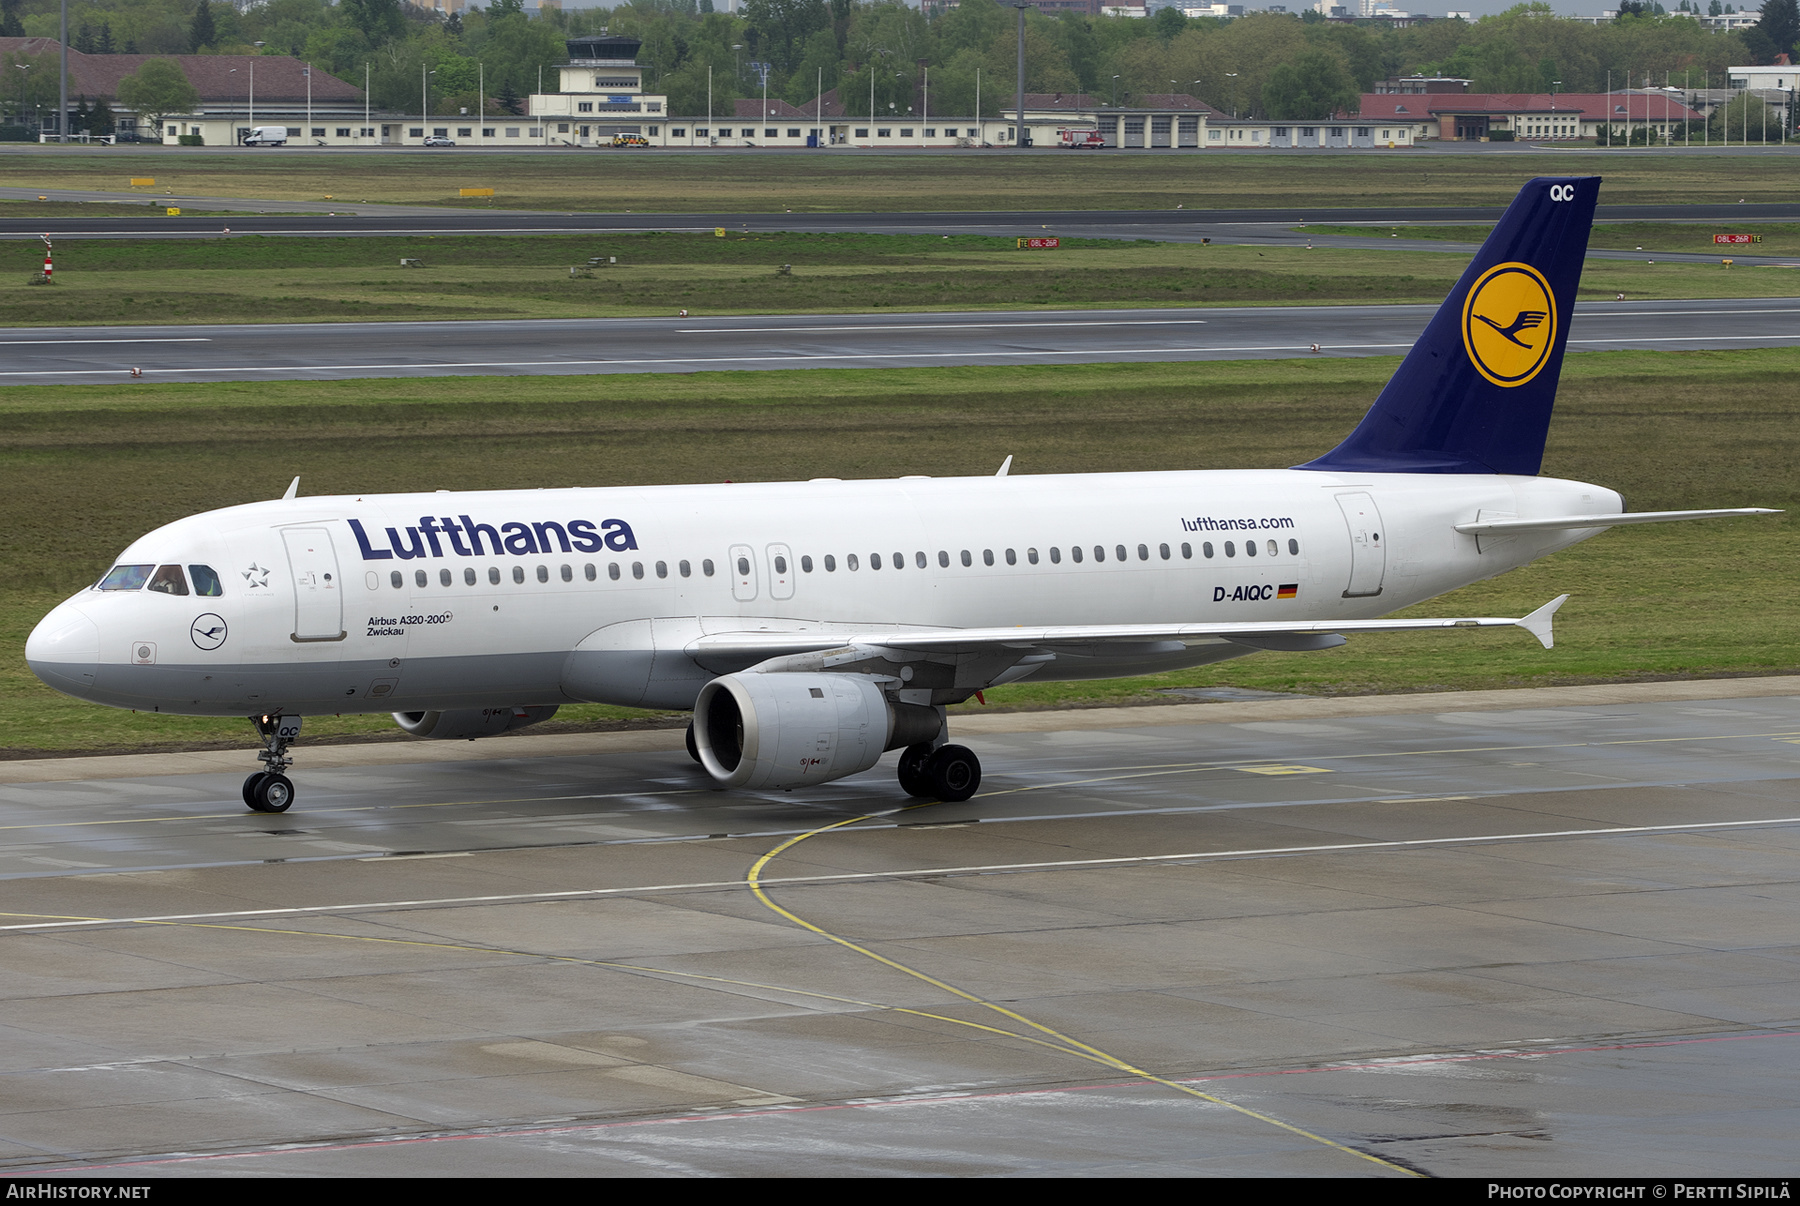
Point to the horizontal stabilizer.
(1498, 527)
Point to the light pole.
(425, 99)
(1019, 130)
(22, 67)
(1115, 103)
(251, 118)
(1232, 76)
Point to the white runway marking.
(852, 877)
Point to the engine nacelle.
(792, 729)
(466, 724)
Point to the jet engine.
(789, 729)
(466, 724)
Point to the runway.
(336, 351)
(1534, 933)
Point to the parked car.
(438, 140)
(267, 136)
(630, 140)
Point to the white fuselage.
(483, 599)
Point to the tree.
(1313, 84)
(1781, 22)
(201, 33)
(10, 25)
(379, 20)
(156, 90)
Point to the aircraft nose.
(64, 650)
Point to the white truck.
(267, 136)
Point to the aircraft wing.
(1273, 634)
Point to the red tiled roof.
(1592, 106)
(279, 78)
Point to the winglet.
(1005, 465)
(1538, 622)
(293, 490)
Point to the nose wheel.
(269, 790)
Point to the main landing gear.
(269, 790)
(950, 773)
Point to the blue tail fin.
(1474, 394)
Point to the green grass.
(870, 181)
(270, 279)
(1779, 238)
(85, 470)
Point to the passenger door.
(318, 593)
(1368, 556)
(743, 573)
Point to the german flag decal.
(1288, 590)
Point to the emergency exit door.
(318, 592)
(1368, 551)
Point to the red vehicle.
(1075, 140)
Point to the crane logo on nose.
(208, 631)
(1509, 323)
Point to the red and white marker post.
(49, 267)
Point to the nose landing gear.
(269, 790)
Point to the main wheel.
(915, 779)
(273, 794)
(250, 786)
(954, 773)
(693, 750)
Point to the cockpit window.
(168, 580)
(205, 581)
(126, 577)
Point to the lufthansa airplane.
(812, 626)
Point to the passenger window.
(588, 571)
(966, 559)
(830, 564)
(396, 579)
(899, 560)
(1164, 550)
(874, 561)
(1144, 552)
(706, 567)
(987, 556)
(1055, 555)
(1230, 549)
(850, 561)
(1099, 552)
(662, 569)
(1293, 548)
(1273, 548)
(1206, 549)
(1120, 551)
(206, 583)
(805, 564)
(612, 571)
(519, 574)
(1012, 558)
(780, 566)
(493, 575)
(687, 570)
(920, 559)
(444, 577)
(1249, 548)
(568, 573)
(743, 567)
(126, 577)
(469, 577)
(1075, 554)
(543, 573)
(944, 558)
(419, 578)
(168, 580)
(637, 569)
(1031, 556)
